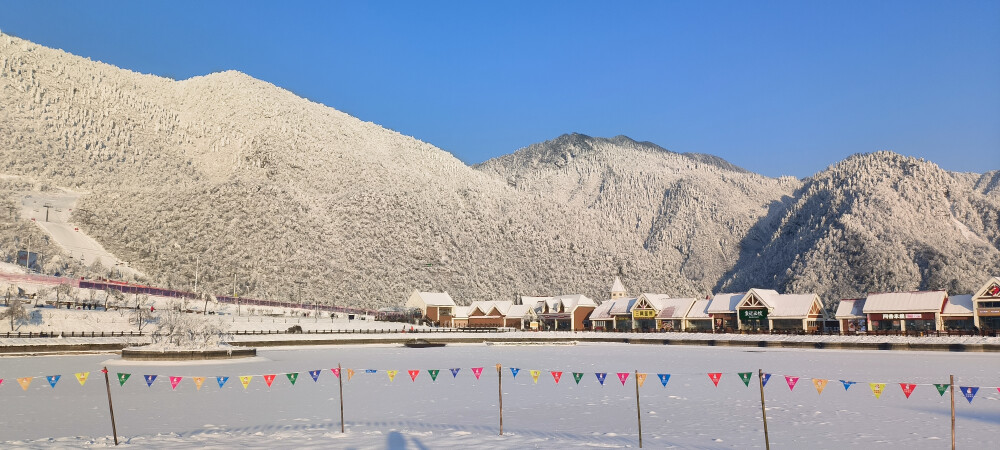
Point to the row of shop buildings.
(756, 309)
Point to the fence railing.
(50, 334)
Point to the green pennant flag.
(434, 374)
(745, 376)
(942, 388)
(577, 376)
(122, 378)
(292, 377)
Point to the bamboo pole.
(114, 430)
(638, 411)
(500, 394)
(951, 386)
(340, 380)
(763, 410)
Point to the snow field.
(460, 411)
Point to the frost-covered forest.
(272, 195)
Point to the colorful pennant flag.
(336, 371)
(350, 374)
(577, 376)
(314, 374)
(556, 376)
(877, 389)
(477, 371)
(434, 374)
(641, 378)
(763, 381)
(245, 380)
(1, 381)
(24, 382)
(292, 377)
(514, 371)
(81, 377)
(907, 388)
(820, 385)
(622, 376)
(969, 392)
(534, 375)
(715, 377)
(413, 374)
(269, 379)
(53, 379)
(222, 381)
(601, 376)
(122, 378)
(174, 381)
(847, 384)
(198, 382)
(664, 378)
(791, 382)
(149, 379)
(371, 370)
(392, 374)
(454, 372)
(942, 388)
(745, 376)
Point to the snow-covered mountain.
(236, 178)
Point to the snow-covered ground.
(462, 412)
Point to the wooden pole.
(500, 393)
(114, 430)
(340, 380)
(638, 412)
(763, 410)
(951, 386)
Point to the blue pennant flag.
(454, 372)
(53, 379)
(969, 392)
(763, 381)
(149, 379)
(847, 384)
(664, 378)
(315, 374)
(221, 380)
(601, 376)
(371, 370)
(514, 371)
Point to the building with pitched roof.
(562, 312)
(671, 313)
(722, 310)
(489, 313)
(850, 314)
(766, 309)
(986, 306)
(435, 307)
(905, 311)
(698, 318)
(958, 313)
(617, 289)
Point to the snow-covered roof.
(519, 311)
(603, 311)
(989, 290)
(725, 303)
(622, 306)
(436, 298)
(792, 305)
(699, 310)
(484, 308)
(617, 285)
(461, 312)
(958, 305)
(890, 302)
(850, 308)
(674, 308)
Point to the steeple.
(617, 289)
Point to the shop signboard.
(988, 312)
(643, 313)
(753, 314)
(903, 316)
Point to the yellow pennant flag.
(877, 389)
(820, 384)
(392, 374)
(534, 375)
(350, 374)
(24, 382)
(82, 377)
(198, 381)
(245, 379)
(641, 378)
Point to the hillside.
(248, 184)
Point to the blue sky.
(778, 87)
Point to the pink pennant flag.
(791, 382)
(907, 388)
(477, 371)
(174, 381)
(556, 376)
(622, 376)
(413, 374)
(715, 378)
(269, 379)
(336, 371)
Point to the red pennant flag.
(413, 374)
(269, 379)
(336, 371)
(104, 370)
(791, 382)
(174, 381)
(907, 388)
(715, 378)
(556, 376)
(477, 371)
(622, 376)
